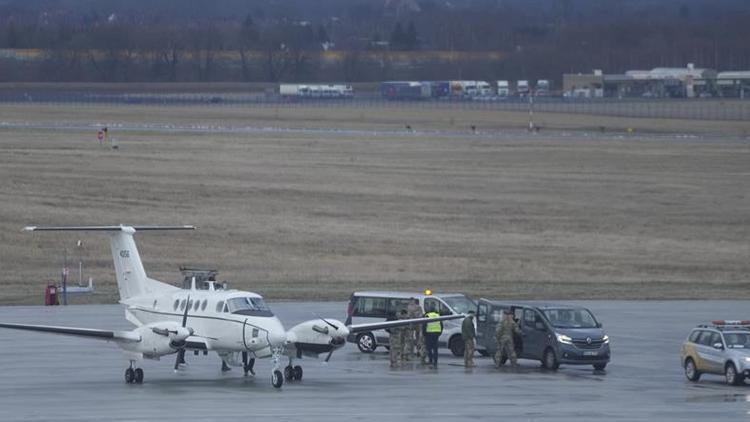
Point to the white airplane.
(235, 324)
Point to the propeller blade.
(329, 356)
(187, 308)
(179, 359)
(327, 322)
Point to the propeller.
(327, 322)
(181, 352)
(329, 355)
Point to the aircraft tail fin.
(131, 276)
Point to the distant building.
(660, 82)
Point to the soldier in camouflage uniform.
(414, 338)
(396, 341)
(504, 337)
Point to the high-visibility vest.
(433, 327)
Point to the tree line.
(364, 40)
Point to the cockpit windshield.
(254, 306)
(570, 318)
(460, 304)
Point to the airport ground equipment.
(722, 348)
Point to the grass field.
(356, 202)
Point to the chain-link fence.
(695, 108)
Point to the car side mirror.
(539, 325)
(718, 346)
(599, 325)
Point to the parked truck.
(503, 89)
(315, 91)
(542, 88)
(522, 88)
(405, 90)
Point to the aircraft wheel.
(129, 375)
(298, 373)
(277, 379)
(138, 376)
(289, 373)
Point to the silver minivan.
(376, 306)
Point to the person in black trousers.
(432, 331)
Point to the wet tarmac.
(46, 377)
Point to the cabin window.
(255, 332)
(197, 304)
(154, 304)
(176, 304)
(220, 306)
(182, 305)
(203, 305)
(190, 304)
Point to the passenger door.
(715, 357)
(534, 338)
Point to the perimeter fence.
(695, 108)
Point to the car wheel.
(600, 366)
(731, 375)
(549, 361)
(691, 372)
(456, 344)
(366, 343)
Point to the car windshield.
(737, 340)
(460, 304)
(254, 306)
(570, 318)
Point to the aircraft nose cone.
(183, 333)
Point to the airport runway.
(46, 377)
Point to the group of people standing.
(505, 333)
(420, 342)
(415, 341)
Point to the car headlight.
(562, 338)
(605, 339)
(747, 359)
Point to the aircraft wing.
(398, 323)
(118, 336)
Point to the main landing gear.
(292, 373)
(133, 375)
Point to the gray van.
(552, 334)
(374, 306)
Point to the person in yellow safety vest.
(432, 331)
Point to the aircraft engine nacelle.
(159, 339)
(317, 336)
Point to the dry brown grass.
(316, 215)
